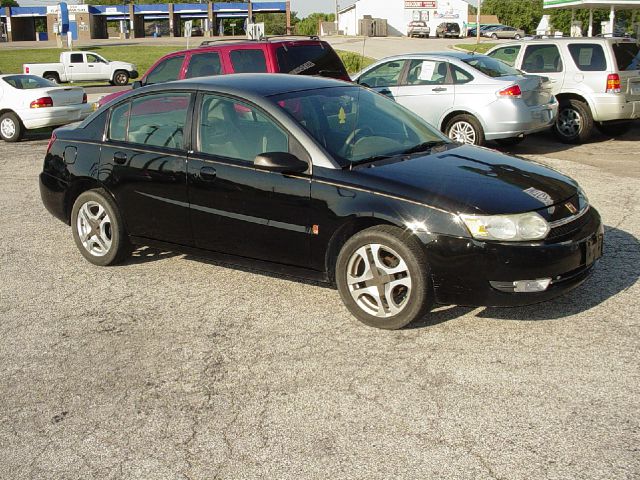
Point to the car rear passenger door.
(427, 89)
(237, 208)
(144, 164)
(545, 59)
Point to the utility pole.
(337, 17)
(478, 22)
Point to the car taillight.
(613, 83)
(26, 69)
(51, 140)
(84, 98)
(42, 102)
(512, 91)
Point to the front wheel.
(383, 278)
(11, 129)
(98, 229)
(575, 122)
(494, 36)
(465, 128)
(121, 78)
(517, 36)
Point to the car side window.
(166, 71)
(428, 72)
(542, 59)
(118, 122)
(507, 54)
(92, 58)
(204, 65)
(248, 60)
(76, 58)
(460, 76)
(237, 130)
(159, 120)
(588, 57)
(385, 75)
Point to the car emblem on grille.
(571, 207)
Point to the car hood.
(467, 179)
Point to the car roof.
(576, 39)
(221, 44)
(253, 84)
(440, 55)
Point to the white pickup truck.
(83, 66)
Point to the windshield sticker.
(302, 68)
(342, 116)
(543, 197)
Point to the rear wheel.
(517, 36)
(614, 129)
(52, 77)
(121, 78)
(383, 278)
(574, 123)
(465, 128)
(98, 229)
(11, 128)
(494, 36)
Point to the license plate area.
(592, 249)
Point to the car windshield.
(356, 125)
(27, 82)
(491, 67)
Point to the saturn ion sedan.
(323, 179)
(471, 98)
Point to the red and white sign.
(421, 4)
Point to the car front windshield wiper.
(375, 158)
(425, 146)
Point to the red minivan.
(301, 56)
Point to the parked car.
(471, 98)
(418, 29)
(302, 56)
(596, 81)
(83, 66)
(28, 102)
(472, 32)
(503, 31)
(448, 29)
(322, 179)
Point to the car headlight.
(515, 228)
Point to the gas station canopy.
(611, 5)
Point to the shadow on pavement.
(148, 254)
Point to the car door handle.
(208, 173)
(439, 89)
(90, 66)
(120, 158)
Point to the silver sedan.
(471, 98)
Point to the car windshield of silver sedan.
(27, 82)
(356, 125)
(491, 67)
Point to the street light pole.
(478, 22)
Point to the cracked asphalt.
(173, 367)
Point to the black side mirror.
(136, 84)
(283, 162)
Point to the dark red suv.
(302, 56)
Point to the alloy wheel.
(463, 132)
(94, 228)
(569, 122)
(379, 280)
(121, 79)
(8, 128)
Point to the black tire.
(454, 129)
(517, 36)
(614, 129)
(52, 77)
(111, 228)
(509, 142)
(120, 78)
(11, 128)
(494, 36)
(574, 123)
(412, 302)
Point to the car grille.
(567, 228)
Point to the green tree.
(275, 23)
(310, 24)
(524, 14)
(9, 3)
(561, 19)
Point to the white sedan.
(28, 102)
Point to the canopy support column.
(612, 20)
(590, 31)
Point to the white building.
(399, 13)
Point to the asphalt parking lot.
(172, 367)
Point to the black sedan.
(323, 179)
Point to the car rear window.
(310, 60)
(588, 57)
(627, 55)
(27, 82)
(248, 61)
(490, 66)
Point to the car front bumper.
(510, 118)
(475, 273)
(54, 116)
